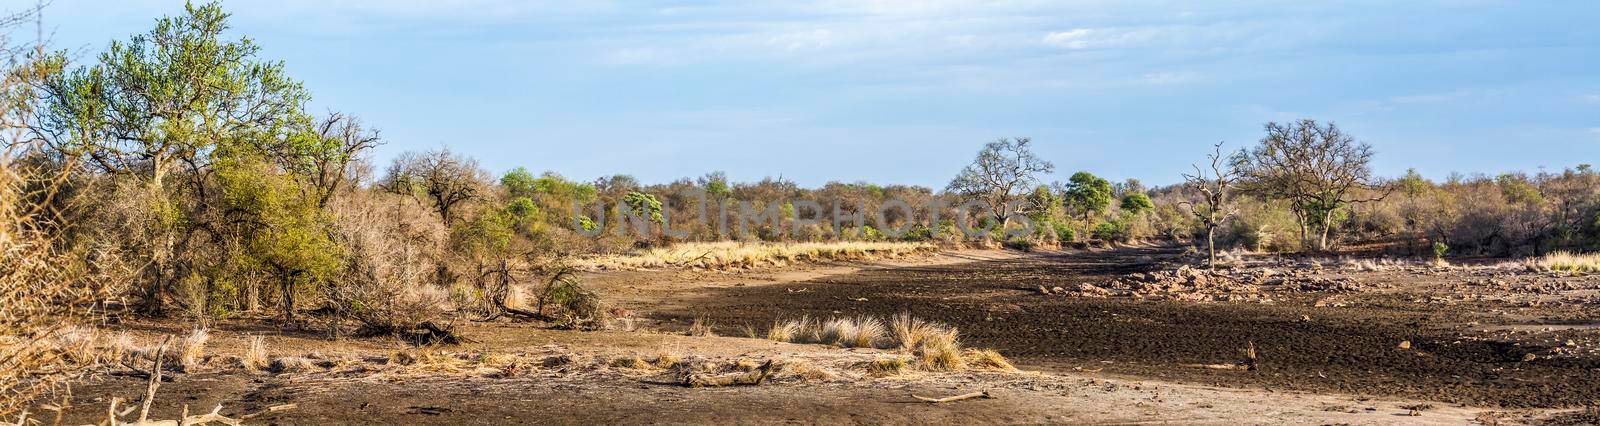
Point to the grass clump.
(792, 331)
(986, 359)
(889, 366)
(858, 332)
(193, 349)
(1561, 261)
(632, 362)
(256, 356)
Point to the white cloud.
(1071, 39)
(1174, 77)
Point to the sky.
(907, 91)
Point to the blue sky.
(906, 91)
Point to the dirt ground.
(1393, 344)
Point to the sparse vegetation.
(729, 254)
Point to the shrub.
(1064, 232)
(394, 252)
(1108, 231)
(574, 305)
(1439, 249)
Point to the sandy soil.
(1324, 358)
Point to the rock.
(1043, 290)
(1529, 358)
(1405, 344)
(1570, 343)
(1058, 290)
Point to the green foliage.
(1518, 190)
(1064, 232)
(1137, 203)
(1018, 243)
(868, 233)
(918, 233)
(486, 236)
(645, 205)
(281, 229)
(1088, 194)
(564, 189)
(1439, 250)
(520, 183)
(1109, 231)
(172, 95)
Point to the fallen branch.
(984, 395)
(269, 410)
(752, 378)
(1229, 367)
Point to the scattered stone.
(1405, 344)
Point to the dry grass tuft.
(632, 362)
(667, 360)
(987, 359)
(1575, 263)
(858, 332)
(804, 371)
(889, 366)
(256, 356)
(789, 331)
(702, 327)
(193, 349)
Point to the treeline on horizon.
(182, 161)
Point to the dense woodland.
(179, 173)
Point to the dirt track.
(1350, 350)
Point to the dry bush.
(1566, 262)
(574, 305)
(45, 288)
(394, 247)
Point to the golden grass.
(930, 345)
(1562, 261)
(987, 359)
(192, 348)
(889, 366)
(790, 330)
(732, 254)
(858, 332)
(256, 357)
(633, 362)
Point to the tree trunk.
(1211, 245)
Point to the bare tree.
(442, 179)
(332, 163)
(1215, 184)
(1318, 169)
(1003, 171)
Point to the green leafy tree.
(161, 103)
(1137, 203)
(1088, 194)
